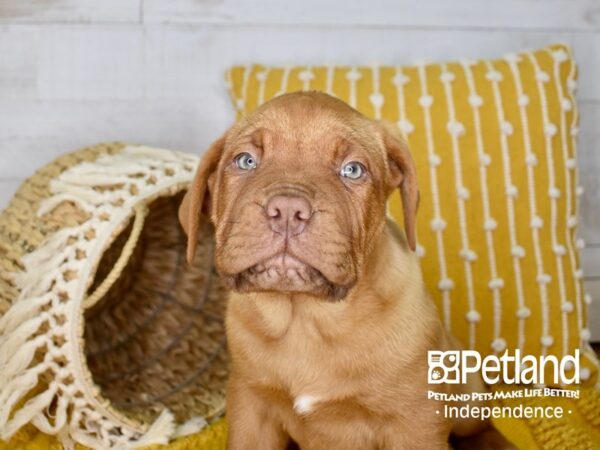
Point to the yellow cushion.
(213, 437)
(494, 144)
(579, 429)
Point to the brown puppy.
(328, 322)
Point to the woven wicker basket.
(107, 337)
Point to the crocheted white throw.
(44, 378)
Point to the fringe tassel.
(43, 264)
(192, 426)
(50, 203)
(159, 432)
(11, 343)
(21, 311)
(50, 246)
(41, 285)
(86, 194)
(47, 260)
(20, 360)
(60, 418)
(15, 391)
(114, 172)
(65, 439)
(95, 179)
(87, 439)
(24, 415)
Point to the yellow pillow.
(494, 144)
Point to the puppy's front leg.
(251, 424)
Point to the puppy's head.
(297, 193)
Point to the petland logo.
(453, 367)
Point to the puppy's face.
(297, 194)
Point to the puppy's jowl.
(328, 321)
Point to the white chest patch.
(305, 404)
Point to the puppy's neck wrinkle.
(388, 264)
(273, 312)
(390, 278)
(277, 313)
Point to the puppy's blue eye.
(353, 170)
(245, 161)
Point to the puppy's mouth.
(285, 273)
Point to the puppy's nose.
(288, 214)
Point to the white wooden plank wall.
(77, 72)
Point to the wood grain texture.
(501, 14)
(589, 168)
(472, 14)
(590, 260)
(70, 11)
(62, 126)
(93, 61)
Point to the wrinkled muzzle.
(283, 239)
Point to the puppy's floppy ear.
(403, 174)
(196, 199)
